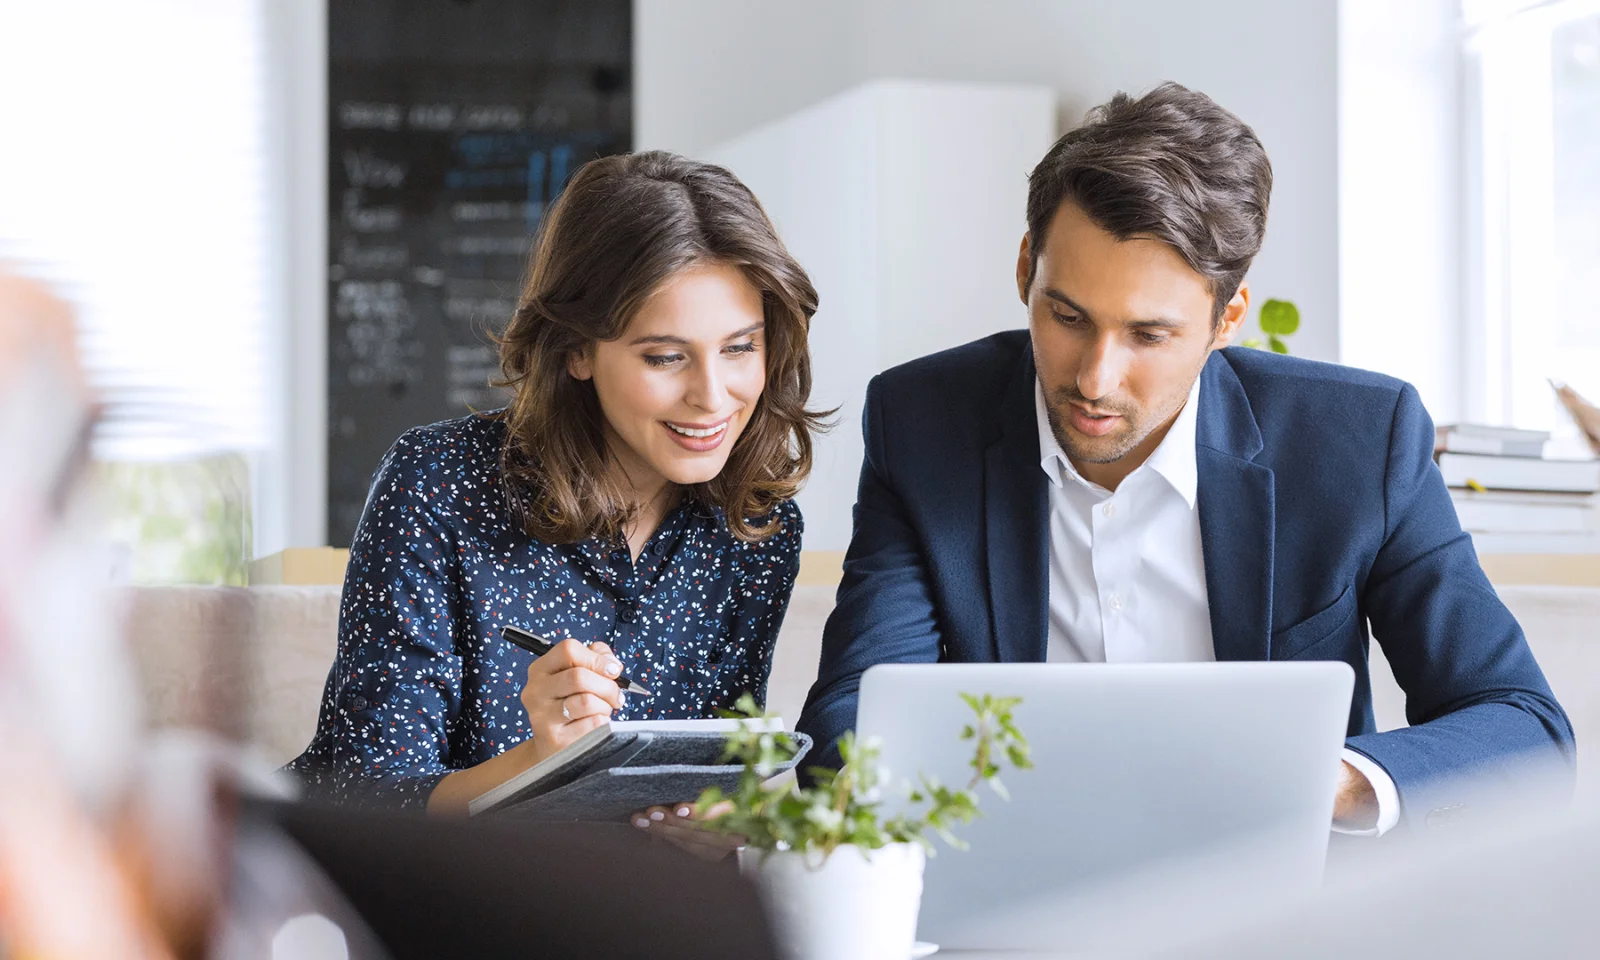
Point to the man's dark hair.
(1173, 165)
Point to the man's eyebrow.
(1154, 323)
(1060, 297)
(681, 342)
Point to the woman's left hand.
(678, 825)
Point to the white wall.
(1400, 223)
(708, 69)
(904, 199)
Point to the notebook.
(622, 767)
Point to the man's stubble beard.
(1077, 454)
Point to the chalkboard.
(452, 124)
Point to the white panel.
(815, 173)
(954, 168)
(904, 201)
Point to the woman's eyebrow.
(681, 342)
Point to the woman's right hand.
(579, 679)
(570, 691)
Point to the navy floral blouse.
(422, 683)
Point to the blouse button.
(356, 703)
(627, 611)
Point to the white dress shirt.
(1127, 576)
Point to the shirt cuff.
(1383, 786)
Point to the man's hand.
(1355, 805)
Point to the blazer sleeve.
(1479, 706)
(394, 690)
(884, 611)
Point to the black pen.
(539, 646)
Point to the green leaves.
(842, 806)
(1279, 318)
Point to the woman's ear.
(580, 364)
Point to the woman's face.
(679, 385)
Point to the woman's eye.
(749, 347)
(662, 360)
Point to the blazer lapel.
(1016, 525)
(1235, 500)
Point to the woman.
(635, 498)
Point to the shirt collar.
(1173, 459)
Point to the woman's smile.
(698, 437)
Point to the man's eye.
(1067, 319)
(1151, 338)
(662, 360)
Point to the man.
(1113, 485)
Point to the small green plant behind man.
(1279, 319)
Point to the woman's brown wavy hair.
(622, 227)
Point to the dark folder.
(615, 771)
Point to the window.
(134, 182)
(1533, 99)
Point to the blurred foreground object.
(1585, 413)
(67, 710)
(431, 887)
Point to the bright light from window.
(1537, 182)
(132, 181)
(1575, 103)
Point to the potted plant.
(840, 879)
(1278, 319)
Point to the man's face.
(1120, 331)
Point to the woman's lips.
(697, 437)
(1091, 426)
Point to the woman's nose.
(707, 389)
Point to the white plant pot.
(854, 905)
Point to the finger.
(577, 728)
(690, 832)
(578, 680)
(699, 843)
(605, 662)
(565, 655)
(650, 816)
(583, 705)
(560, 734)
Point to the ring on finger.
(567, 714)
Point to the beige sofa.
(254, 659)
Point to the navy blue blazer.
(1321, 515)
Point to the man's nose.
(1101, 369)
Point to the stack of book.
(1512, 498)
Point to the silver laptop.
(1136, 766)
